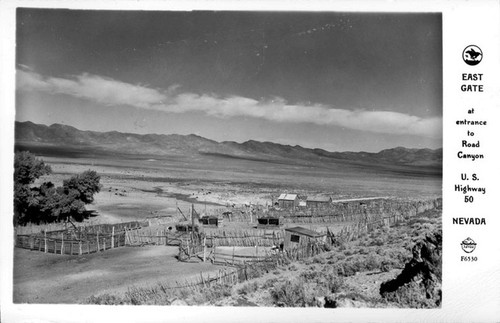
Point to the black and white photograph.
(270, 159)
(238, 159)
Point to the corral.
(269, 230)
(79, 240)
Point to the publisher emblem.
(472, 55)
(468, 245)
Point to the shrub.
(319, 260)
(289, 294)
(385, 266)
(412, 295)
(270, 283)
(363, 251)
(348, 252)
(248, 288)
(105, 299)
(309, 275)
(210, 294)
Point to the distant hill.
(70, 139)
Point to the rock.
(419, 284)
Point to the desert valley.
(380, 207)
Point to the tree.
(85, 184)
(27, 168)
(47, 203)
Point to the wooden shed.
(298, 235)
(318, 201)
(288, 200)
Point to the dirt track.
(49, 278)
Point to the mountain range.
(63, 137)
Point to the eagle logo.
(472, 55)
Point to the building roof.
(305, 232)
(319, 199)
(288, 197)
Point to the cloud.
(92, 87)
(110, 92)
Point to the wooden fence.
(355, 230)
(321, 218)
(85, 240)
(237, 269)
(348, 211)
(61, 246)
(60, 227)
(238, 255)
(244, 238)
(160, 236)
(353, 210)
(189, 249)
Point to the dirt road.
(48, 278)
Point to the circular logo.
(472, 55)
(468, 245)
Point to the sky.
(333, 80)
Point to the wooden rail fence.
(86, 240)
(70, 247)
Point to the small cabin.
(318, 201)
(209, 221)
(298, 235)
(268, 222)
(288, 200)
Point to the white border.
(471, 292)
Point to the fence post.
(204, 249)
(45, 241)
(127, 237)
(112, 237)
(233, 255)
(62, 243)
(98, 246)
(80, 248)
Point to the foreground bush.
(289, 294)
